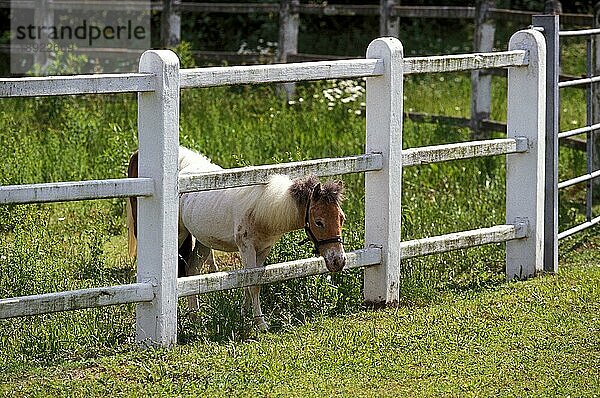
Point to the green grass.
(535, 338)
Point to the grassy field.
(318, 323)
(535, 338)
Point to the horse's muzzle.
(335, 258)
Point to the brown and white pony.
(250, 220)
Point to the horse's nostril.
(338, 264)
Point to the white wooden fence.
(159, 82)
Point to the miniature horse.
(250, 220)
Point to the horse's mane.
(331, 192)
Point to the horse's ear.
(316, 192)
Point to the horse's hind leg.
(198, 256)
(185, 251)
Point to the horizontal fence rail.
(580, 179)
(76, 190)
(124, 5)
(461, 62)
(580, 32)
(451, 12)
(78, 84)
(578, 82)
(229, 8)
(319, 70)
(225, 280)
(252, 175)
(293, 72)
(579, 228)
(578, 131)
(75, 300)
(243, 176)
(461, 240)
(463, 150)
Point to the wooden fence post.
(43, 15)
(389, 24)
(552, 7)
(170, 25)
(289, 24)
(481, 81)
(383, 188)
(526, 117)
(158, 132)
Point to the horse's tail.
(132, 172)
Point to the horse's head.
(324, 221)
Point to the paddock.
(159, 82)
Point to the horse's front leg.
(254, 292)
(252, 259)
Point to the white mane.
(271, 205)
(275, 206)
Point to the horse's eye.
(319, 224)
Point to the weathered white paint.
(76, 190)
(383, 188)
(75, 300)
(158, 130)
(463, 150)
(526, 116)
(453, 63)
(278, 73)
(78, 84)
(219, 76)
(252, 175)
(217, 281)
(462, 240)
(244, 176)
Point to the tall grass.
(45, 248)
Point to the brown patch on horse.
(325, 220)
